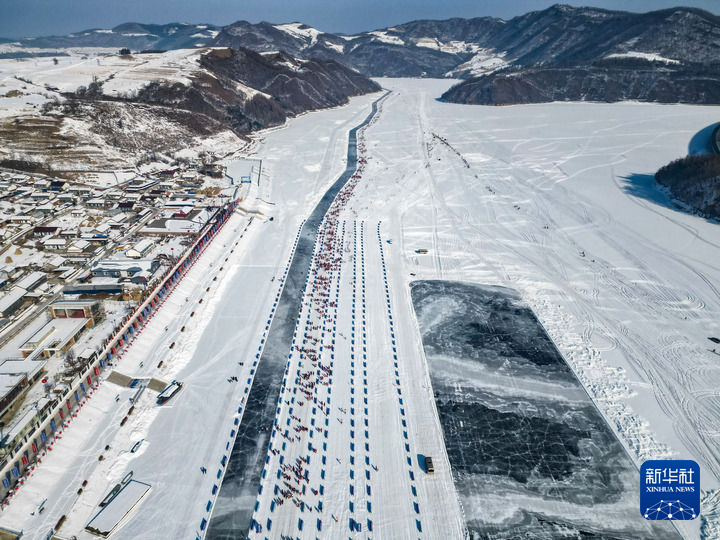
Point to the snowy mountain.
(246, 90)
(378, 53)
(568, 35)
(588, 54)
(135, 36)
(643, 82)
(293, 38)
(454, 47)
(557, 54)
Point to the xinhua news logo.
(670, 489)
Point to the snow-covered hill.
(113, 109)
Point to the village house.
(78, 246)
(139, 250)
(96, 203)
(54, 243)
(45, 231)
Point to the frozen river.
(531, 456)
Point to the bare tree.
(73, 364)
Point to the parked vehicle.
(169, 391)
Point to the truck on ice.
(169, 391)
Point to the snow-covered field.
(484, 61)
(551, 200)
(120, 75)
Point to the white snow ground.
(119, 74)
(531, 197)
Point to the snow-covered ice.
(556, 201)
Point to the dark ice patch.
(518, 424)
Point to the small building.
(28, 367)
(182, 202)
(14, 272)
(172, 223)
(11, 386)
(20, 219)
(56, 336)
(79, 246)
(67, 198)
(92, 288)
(103, 228)
(47, 208)
(11, 301)
(75, 310)
(58, 185)
(118, 268)
(45, 231)
(140, 183)
(54, 243)
(56, 262)
(87, 355)
(97, 239)
(82, 191)
(40, 196)
(96, 203)
(32, 297)
(141, 249)
(66, 273)
(41, 183)
(166, 186)
(31, 281)
(126, 206)
(117, 221)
